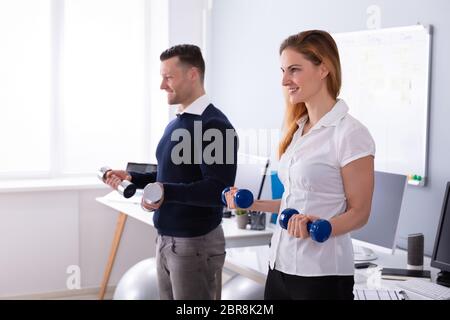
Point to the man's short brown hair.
(188, 54)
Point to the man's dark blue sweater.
(192, 189)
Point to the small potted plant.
(241, 218)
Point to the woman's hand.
(297, 225)
(258, 205)
(229, 196)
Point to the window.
(25, 86)
(80, 81)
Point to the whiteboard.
(385, 82)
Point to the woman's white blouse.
(310, 171)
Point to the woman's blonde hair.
(318, 47)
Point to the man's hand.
(115, 177)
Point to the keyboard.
(425, 289)
(378, 294)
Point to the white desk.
(234, 237)
(247, 250)
(252, 262)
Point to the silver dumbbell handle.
(101, 174)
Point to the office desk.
(234, 237)
(252, 262)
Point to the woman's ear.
(323, 71)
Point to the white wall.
(39, 237)
(186, 22)
(42, 233)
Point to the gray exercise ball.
(139, 282)
(242, 288)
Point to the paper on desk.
(117, 197)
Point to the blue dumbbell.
(243, 198)
(319, 230)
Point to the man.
(190, 250)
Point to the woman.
(327, 169)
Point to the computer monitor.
(251, 173)
(381, 229)
(141, 167)
(441, 251)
